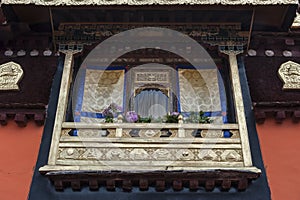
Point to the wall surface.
(280, 144)
(18, 151)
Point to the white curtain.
(151, 103)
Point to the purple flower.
(131, 116)
(111, 110)
(115, 107)
(175, 113)
(107, 113)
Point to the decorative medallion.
(10, 75)
(289, 72)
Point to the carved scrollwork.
(162, 154)
(185, 154)
(149, 133)
(139, 154)
(212, 133)
(164, 90)
(289, 72)
(230, 155)
(150, 154)
(115, 154)
(10, 75)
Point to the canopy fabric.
(148, 2)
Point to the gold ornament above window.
(10, 75)
(289, 72)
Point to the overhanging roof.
(149, 2)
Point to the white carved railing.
(121, 130)
(146, 146)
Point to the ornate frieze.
(289, 72)
(10, 75)
(88, 33)
(150, 77)
(150, 154)
(148, 2)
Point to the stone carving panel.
(212, 133)
(228, 155)
(150, 154)
(10, 75)
(151, 77)
(289, 72)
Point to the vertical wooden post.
(181, 131)
(239, 105)
(119, 130)
(61, 105)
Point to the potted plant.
(169, 118)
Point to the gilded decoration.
(10, 75)
(148, 2)
(289, 72)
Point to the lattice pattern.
(199, 90)
(101, 88)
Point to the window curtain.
(151, 103)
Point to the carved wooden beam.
(161, 181)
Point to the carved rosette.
(10, 75)
(289, 73)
